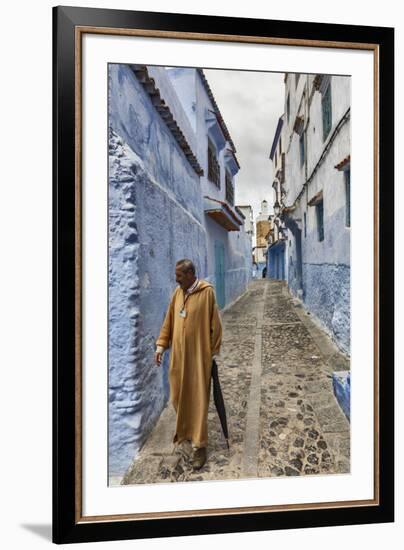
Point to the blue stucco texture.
(327, 296)
(130, 353)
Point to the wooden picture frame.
(70, 24)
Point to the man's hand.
(158, 355)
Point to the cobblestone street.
(275, 371)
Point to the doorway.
(219, 274)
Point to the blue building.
(311, 160)
(172, 168)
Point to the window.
(305, 224)
(326, 111)
(288, 107)
(302, 149)
(229, 189)
(213, 165)
(347, 178)
(320, 220)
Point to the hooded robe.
(194, 339)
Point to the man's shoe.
(199, 458)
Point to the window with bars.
(347, 178)
(320, 220)
(213, 165)
(229, 189)
(326, 111)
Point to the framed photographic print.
(223, 274)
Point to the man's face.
(184, 278)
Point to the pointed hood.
(202, 284)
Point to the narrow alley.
(275, 372)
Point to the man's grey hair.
(186, 265)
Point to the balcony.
(222, 214)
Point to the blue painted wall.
(325, 275)
(327, 295)
(156, 217)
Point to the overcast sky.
(251, 104)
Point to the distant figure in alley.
(193, 329)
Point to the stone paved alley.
(275, 371)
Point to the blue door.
(282, 260)
(219, 274)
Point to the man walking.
(193, 330)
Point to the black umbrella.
(219, 402)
